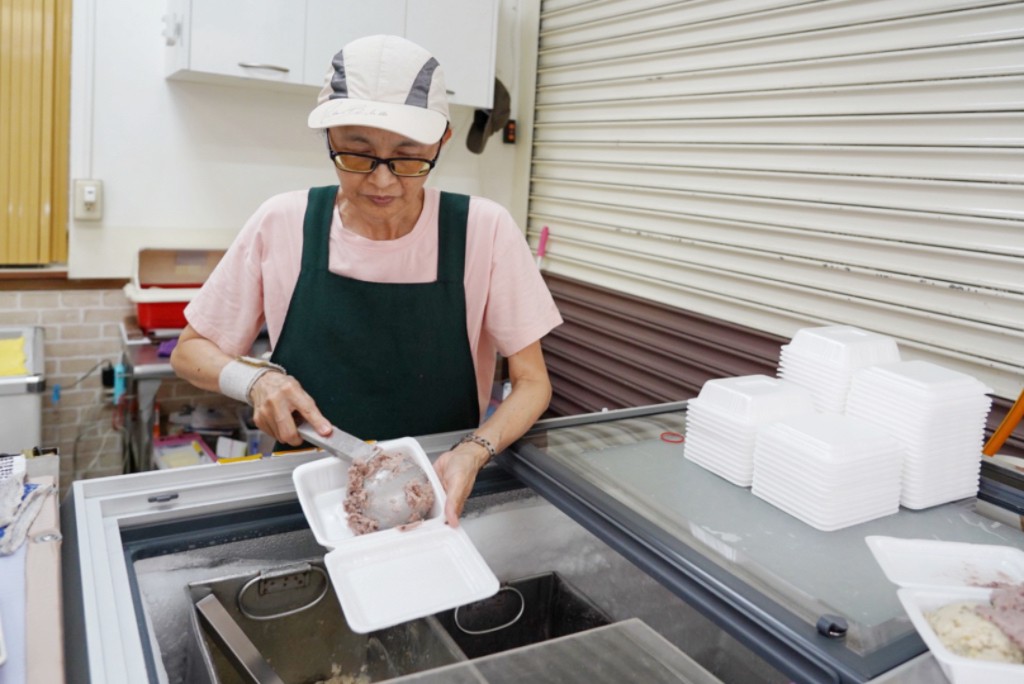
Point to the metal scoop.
(385, 490)
(340, 443)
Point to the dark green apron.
(382, 360)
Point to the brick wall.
(82, 329)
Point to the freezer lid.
(814, 604)
(22, 349)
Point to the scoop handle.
(340, 443)
(1006, 427)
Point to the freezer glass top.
(774, 564)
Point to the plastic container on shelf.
(164, 281)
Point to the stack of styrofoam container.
(829, 471)
(722, 422)
(938, 414)
(824, 359)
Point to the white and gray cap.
(384, 82)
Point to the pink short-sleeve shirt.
(508, 305)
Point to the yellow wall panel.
(6, 115)
(35, 56)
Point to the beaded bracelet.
(477, 439)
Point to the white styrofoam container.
(391, 576)
(927, 563)
(933, 574)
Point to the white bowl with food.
(965, 600)
(389, 576)
(970, 648)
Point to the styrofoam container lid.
(923, 401)
(952, 490)
(731, 467)
(932, 563)
(871, 475)
(719, 427)
(830, 436)
(924, 375)
(381, 583)
(825, 499)
(821, 523)
(910, 503)
(964, 422)
(927, 471)
(813, 370)
(716, 450)
(756, 399)
(391, 576)
(738, 479)
(846, 345)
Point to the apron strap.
(317, 226)
(453, 220)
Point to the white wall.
(184, 164)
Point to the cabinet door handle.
(258, 65)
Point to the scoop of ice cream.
(1007, 611)
(965, 632)
(386, 490)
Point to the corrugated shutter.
(784, 164)
(616, 351)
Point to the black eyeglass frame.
(377, 161)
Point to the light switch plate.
(88, 200)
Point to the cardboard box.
(164, 282)
(177, 451)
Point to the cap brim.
(416, 123)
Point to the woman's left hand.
(457, 470)
(531, 392)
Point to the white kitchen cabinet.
(461, 34)
(332, 23)
(290, 43)
(261, 40)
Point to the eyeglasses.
(367, 163)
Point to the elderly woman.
(386, 302)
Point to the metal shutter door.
(785, 164)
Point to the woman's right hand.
(279, 402)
